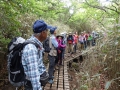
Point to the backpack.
(46, 45)
(64, 41)
(70, 37)
(16, 73)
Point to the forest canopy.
(77, 15)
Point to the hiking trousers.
(70, 47)
(63, 53)
(51, 65)
(75, 48)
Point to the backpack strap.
(51, 45)
(31, 42)
(34, 43)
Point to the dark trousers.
(51, 65)
(85, 44)
(63, 53)
(59, 57)
(93, 42)
(75, 48)
(89, 43)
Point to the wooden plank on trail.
(61, 79)
(66, 80)
(54, 85)
(60, 82)
(53, 88)
(69, 59)
(67, 88)
(60, 89)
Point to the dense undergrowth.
(99, 68)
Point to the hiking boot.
(50, 81)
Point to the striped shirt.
(33, 63)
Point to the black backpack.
(70, 37)
(46, 45)
(16, 73)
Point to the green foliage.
(3, 40)
(8, 23)
(19, 15)
(75, 66)
(84, 77)
(84, 87)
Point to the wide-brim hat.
(59, 36)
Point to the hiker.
(32, 61)
(94, 35)
(52, 54)
(75, 42)
(85, 39)
(64, 41)
(90, 38)
(60, 49)
(70, 43)
(81, 40)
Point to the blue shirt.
(54, 41)
(33, 63)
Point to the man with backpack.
(53, 53)
(32, 57)
(70, 40)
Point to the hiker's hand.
(73, 43)
(59, 51)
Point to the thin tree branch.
(112, 10)
(69, 18)
(104, 8)
(115, 2)
(98, 7)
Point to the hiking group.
(82, 41)
(25, 58)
